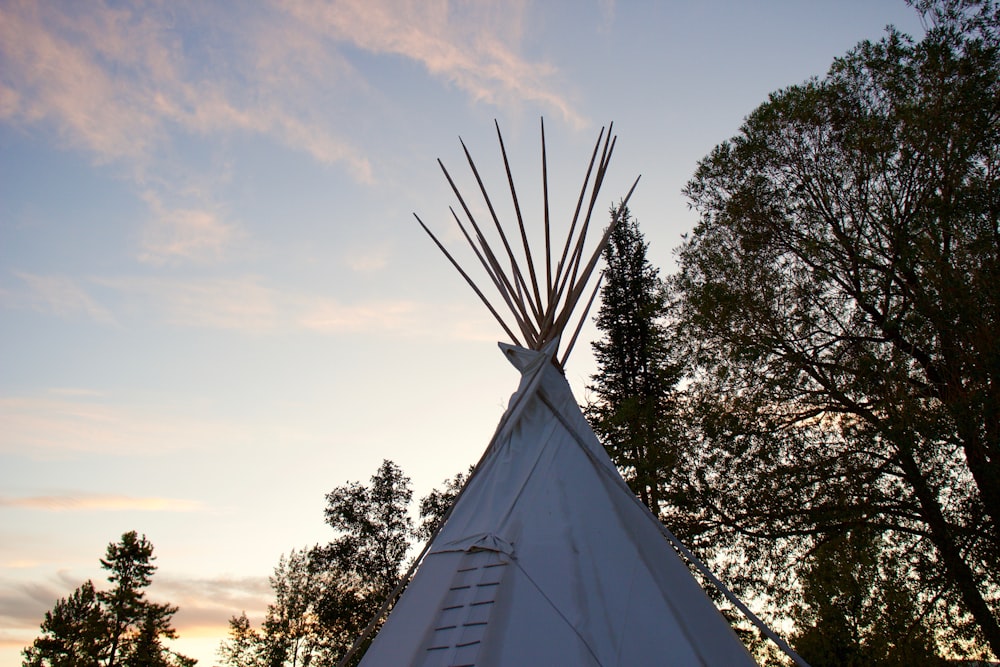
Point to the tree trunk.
(951, 556)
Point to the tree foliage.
(633, 388)
(375, 529)
(324, 596)
(118, 626)
(858, 608)
(291, 627)
(840, 299)
(74, 633)
(244, 646)
(436, 504)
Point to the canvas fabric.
(548, 559)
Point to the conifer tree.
(74, 633)
(634, 387)
(118, 626)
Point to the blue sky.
(215, 304)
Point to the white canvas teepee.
(547, 558)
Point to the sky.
(215, 303)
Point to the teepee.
(546, 557)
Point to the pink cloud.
(87, 502)
(57, 295)
(472, 46)
(115, 81)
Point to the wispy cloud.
(189, 234)
(55, 295)
(129, 83)
(371, 259)
(89, 502)
(76, 392)
(329, 316)
(23, 605)
(57, 69)
(45, 427)
(471, 45)
(219, 303)
(116, 81)
(246, 304)
(208, 603)
(205, 603)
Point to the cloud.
(247, 305)
(55, 295)
(44, 427)
(76, 391)
(607, 10)
(116, 81)
(210, 602)
(89, 502)
(365, 261)
(329, 316)
(185, 234)
(22, 605)
(217, 303)
(205, 603)
(244, 304)
(56, 68)
(468, 44)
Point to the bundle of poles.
(540, 310)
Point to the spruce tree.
(633, 390)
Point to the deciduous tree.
(292, 634)
(374, 526)
(436, 504)
(841, 295)
(243, 648)
(859, 608)
(326, 595)
(363, 563)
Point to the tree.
(858, 608)
(362, 565)
(291, 632)
(634, 386)
(243, 648)
(326, 595)
(436, 504)
(375, 527)
(118, 626)
(147, 649)
(130, 563)
(74, 633)
(841, 297)
(315, 617)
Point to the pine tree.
(74, 633)
(634, 386)
(130, 563)
(118, 626)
